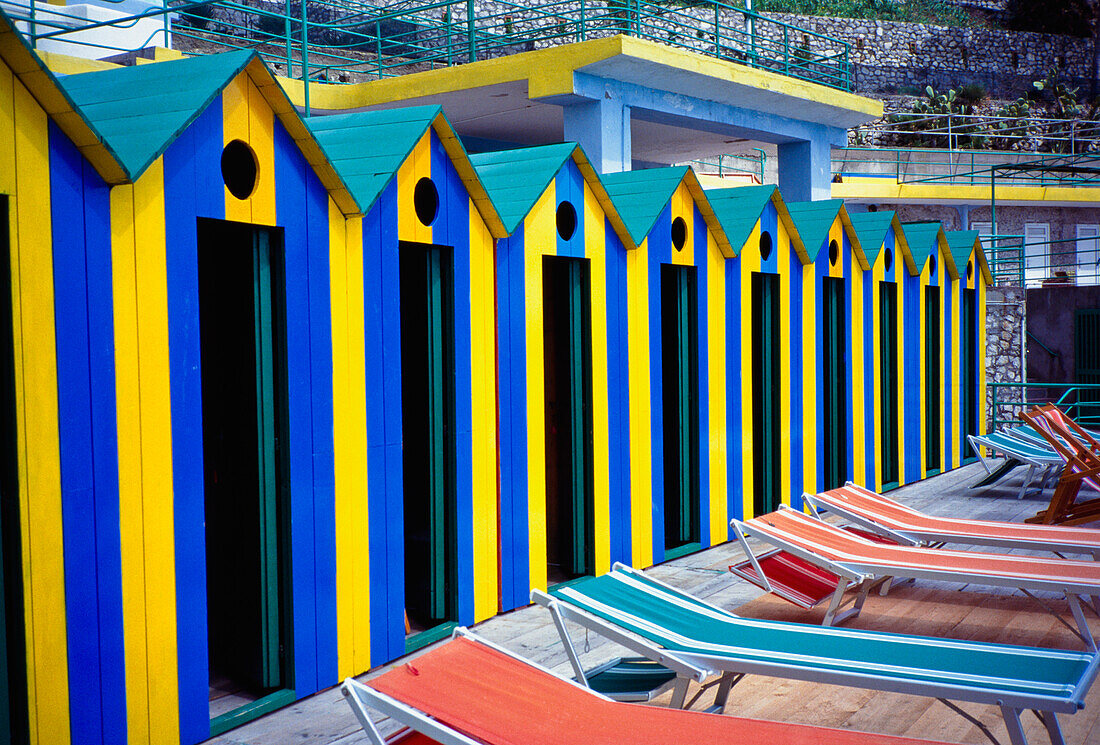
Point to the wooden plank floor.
(928, 608)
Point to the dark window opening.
(239, 169)
(889, 450)
(566, 219)
(834, 391)
(425, 201)
(766, 372)
(834, 253)
(679, 233)
(765, 245)
(932, 381)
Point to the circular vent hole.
(425, 201)
(239, 169)
(567, 220)
(679, 233)
(888, 259)
(765, 245)
(931, 266)
(834, 252)
(969, 269)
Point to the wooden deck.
(927, 608)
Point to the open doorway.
(968, 349)
(243, 410)
(834, 390)
(13, 670)
(766, 430)
(679, 384)
(889, 453)
(567, 352)
(932, 381)
(428, 425)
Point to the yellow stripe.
(980, 328)
(750, 262)
(417, 166)
(483, 368)
(235, 127)
(682, 206)
(539, 222)
(39, 456)
(786, 385)
(946, 460)
(248, 117)
(128, 420)
(859, 445)
(596, 252)
(156, 454)
(7, 132)
(716, 367)
(922, 377)
(809, 379)
(887, 190)
(641, 448)
(899, 274)
(876, 356)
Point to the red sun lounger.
(855, 559)
(468, 692)
(908, 526)
(1081, 453)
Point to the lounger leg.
(1082, 624)
(832, 617)
(1015, 726)
(723, 692)
(834, 604)
(679, 692)
(567, 642)
(1050, 721)
(361, 714)
(1027, 481)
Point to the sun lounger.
(468, 692)
(700, 640)
(908, 526)
(1080, 453)
(855, 559)
(1018, 450)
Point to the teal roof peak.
(872, 229)
(515, 179)
(641, 196)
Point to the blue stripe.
(948, 399)
(660, 252)
(190, 192)
(569, 187)
(799, 373)
(735, 478)
(291, 211)
(699, 227)
(75, 435)
(849, 319)
(913, 388)
(618, 396)
(870, 380)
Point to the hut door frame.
(428, 423)
(680, 386)
(933, 458)
(889, 453)
(968, 344)
(225, 291)
(834, 383)
(567, 346)
(13, 684)
(766, 399)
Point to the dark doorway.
(1086, 361)
(243, 403)
(766, 456)
(679, 384)
(932, 381)
(968, 344)
(13, 669)
(428, 422)
(889, 453)
(567, 351)
(834, 383)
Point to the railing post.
(33, 27)
(717, 31)
(305, 55)
(378, 46)
(786, 51)
(289, 40)
(583, 23)
(471, 38)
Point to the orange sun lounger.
(908, 526)
(1081, 453)
(856, 559)
(468, 692)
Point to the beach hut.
(884, 245)
(833, 417)
(765, 331)
(676, 335)
(964, 324)
(561, 332)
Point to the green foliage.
(971, 94)
(913, 11)
(1012, 121)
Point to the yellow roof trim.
(903, 242)
(792, 230)
(857, 247)
(592, 178)
(466, 172)
(707, 212)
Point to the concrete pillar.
(805, 170)
(602, 128)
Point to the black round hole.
(425, 201)
(969, 268)
(931, 265)
(567, 220)
(679, 233)
(765, 245)
(834, 252)
(239, 169)
(888, 259)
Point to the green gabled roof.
(367, 147)
(962, 244)
(43, 85)
(872, 229)
(739, 208)
(923, 239)
(814, 220)
(516, 179)
(641, 196)
(139, 111)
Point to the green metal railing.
(1080, 400)
(346, 40)
(970, 167)
(741, 164)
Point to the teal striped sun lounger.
(1019, 449)
(698, 640)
